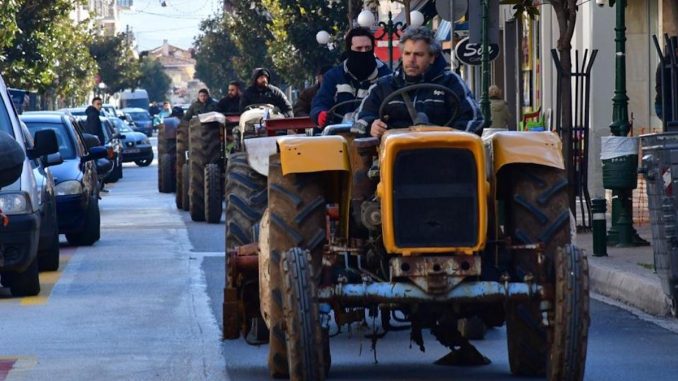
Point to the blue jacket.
(436, 104)
(340, 85)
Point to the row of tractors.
(422, 229)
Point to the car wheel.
(48, 258)
(26, 283)
(143, 162)
(92, 231)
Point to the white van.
(134, 98)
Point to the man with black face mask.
(349, 80)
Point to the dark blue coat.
(340, 85)
(436, 104)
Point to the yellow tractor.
(429, 224)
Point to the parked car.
(21, 201)
(76, 179)
(136, 147)
(142, 120)
(110, 167)
(48, 245)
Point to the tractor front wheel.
(302, 321)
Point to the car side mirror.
(96, 153)
(91, 140)
(11, 159)
(45, 143)
(53, 159)
(119, 136)
(103, 166)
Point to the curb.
(640, 292)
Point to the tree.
(154, 80)
(118, 68)
(32, 52)
(248, 24)
(8, 11)
(294, 24)
(214, 54)
(75, 68)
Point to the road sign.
(451, 10)
(471, 54)
(474, 18)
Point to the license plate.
(132, 150)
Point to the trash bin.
(619, 155)
(659, 163)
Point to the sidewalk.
(626, 274)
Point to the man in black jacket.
(423, 63)
(204, 104)
(230, 104)
(261, 92)
(93, 123)
(303, 105)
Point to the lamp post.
(485, 63)
(389, 28)
(621, 231)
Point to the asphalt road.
(144, 303)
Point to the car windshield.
(5, 122)
(77, 112)
(66, 146)
(120, 125)
(139, 115)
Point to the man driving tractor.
(351, 79)
(451, 104)
(262, 92)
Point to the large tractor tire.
(204, 146)
(297, 220)
(247, 197)
(181, 148)
(185, 175)
(302, 319)
(537, 211)
(166, 176)
(213, 196)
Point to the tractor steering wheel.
(410, 105)
(257, 105)
(333, 111)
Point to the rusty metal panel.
(435, 274)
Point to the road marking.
(48, 280)
(6, 364)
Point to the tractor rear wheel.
(246, 195)
(247, 198)
(213, 196)
(537, 211)
(185, 175)
(166, 180)
(302, 319)
(181, 148)
(204, 146)
(297, 219)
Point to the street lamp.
(324, 38)
(621, 232)
(389, 28)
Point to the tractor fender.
(303, 154)
(258, 151)
(510, 147)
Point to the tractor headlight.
(15, 203)
(68, 187)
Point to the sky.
(178, 22)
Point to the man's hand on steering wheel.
(378, 128)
